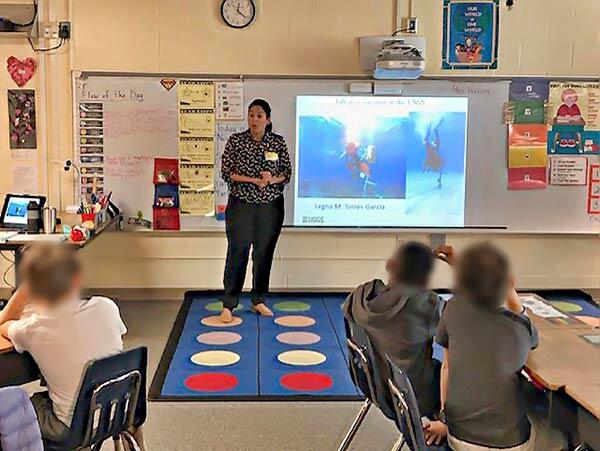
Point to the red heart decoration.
(21, 71)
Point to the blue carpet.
(258, 374)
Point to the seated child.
(63, 334)
(401, 317)
(487, 338)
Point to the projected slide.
(380, 161)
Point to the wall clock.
(238, 13)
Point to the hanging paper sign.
(470, 38)
(21, 118)
(568, 171)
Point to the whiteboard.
(141, 124)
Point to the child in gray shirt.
(487, 338)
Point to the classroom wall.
(314, 37)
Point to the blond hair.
(49, 270)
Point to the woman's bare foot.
(262, 309)
(226, 316)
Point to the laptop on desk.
(14, 211)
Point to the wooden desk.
(587, 395)
(565, 360)
(5, 345)
(16, 246)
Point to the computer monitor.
(14, 211)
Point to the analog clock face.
(238, 13)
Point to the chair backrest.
(408, 418)
(364, 367)
(361, 368)
(112, 397)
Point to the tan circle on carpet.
(214, 321)
(295, 321)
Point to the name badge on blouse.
(271, 156)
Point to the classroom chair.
(408, 417)
(111, 400)
(19, 429)
(366, 376)
(589, 431)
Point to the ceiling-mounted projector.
(398, 60)
(393, 57)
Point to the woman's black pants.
(256, 225)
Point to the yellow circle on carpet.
(301, 357)
(566, 307)
(215, 358)
(215, 321)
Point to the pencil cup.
(88, 217)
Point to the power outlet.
(49, 30)
(64, 30)
(411, 25)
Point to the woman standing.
(256, 166)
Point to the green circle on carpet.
(292, 306)
(566, 307)
(218, 306)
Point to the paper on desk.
(540, 308)
(4, 236)
(22, 238)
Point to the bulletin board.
(141, 123)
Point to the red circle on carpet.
(306, 381)
(211, 382)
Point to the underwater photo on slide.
(356, 157)
(380, 161)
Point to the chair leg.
(117, 444)
(399, 444)
(362, 413)
(130, 442)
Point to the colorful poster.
(21, 119)
(527, 157)
(530, 135)
(470, 38)
(529, 112)
(527, 178)
(196, 94)
(568, 171)
(574, 118)
(198, 123)
(196, 150)
(199, 203)
(529, 89)
(593, 202)
(196, 177)
(230, 100)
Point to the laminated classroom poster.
(527, 178)
(529, 89)
(199, 123)
(197, 203)
(527, 157)
(196, 150)
(574, 118)
(196, 177)
(568, 170)
(21, 119)
(470, 34)
(230, 100)
(196, 94)
(529, 112)
(593, 202)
